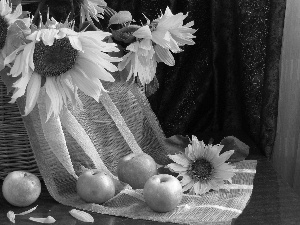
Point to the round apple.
(135, 169)
(21, 188)
(95, 186)
(162, 192)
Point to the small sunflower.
(154, 43)
(141, 58)
(64, 61)
(169, 32)
(92, 9)
(201, 168)
(7, 18)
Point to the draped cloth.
(286, 157)
(227, 83)
(97, 136)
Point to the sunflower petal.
(68, 89)
(5, 9)
(48, 36)
(33, 90)
(125, 60)
(176, 167)
(54, 95)
(197, 188)
(15, 15)
(174, 47)
(215, 184)
(223, 174)
(199, 148)
(20, 86)
(161, 38)
(213, 150)
(17, 68)
(185, 180)
(189, 152)
(164, 55)
(61, 89)
(28, 57)
(86, 85)
(180, 159)
(188, 186)
(143, 32)
(202, 187)
(225, 167)
(183, 40)
(75, 42)
(95, 35)
(222, 158)
(13, 55)
(89, 67)
(92, 56)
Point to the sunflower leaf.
(176, 144)
(241, 150)
(120, 18)
(8, 80)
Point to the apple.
(21, 188)
(95, 186)
(162, 192)
(135, 169)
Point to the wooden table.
(272, 202)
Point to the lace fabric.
(93, 138)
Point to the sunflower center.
(3, 31)
(201, 169)
(52, 61)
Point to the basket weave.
(15, 149)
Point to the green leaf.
(16, 36)
(8, 80)
(120, 18)
(241, 150)
(176, 144)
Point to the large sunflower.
(62, 60)
(201, 168)
(7, 18)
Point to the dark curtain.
(227, 83)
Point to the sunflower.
(154, 43)
(201, 168)
(62, 60)
(7, 18)
(169, 32)
(92, 9)
(141, 58)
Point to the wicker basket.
(15, 149)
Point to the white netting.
(99, 135)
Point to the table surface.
(272, 202)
